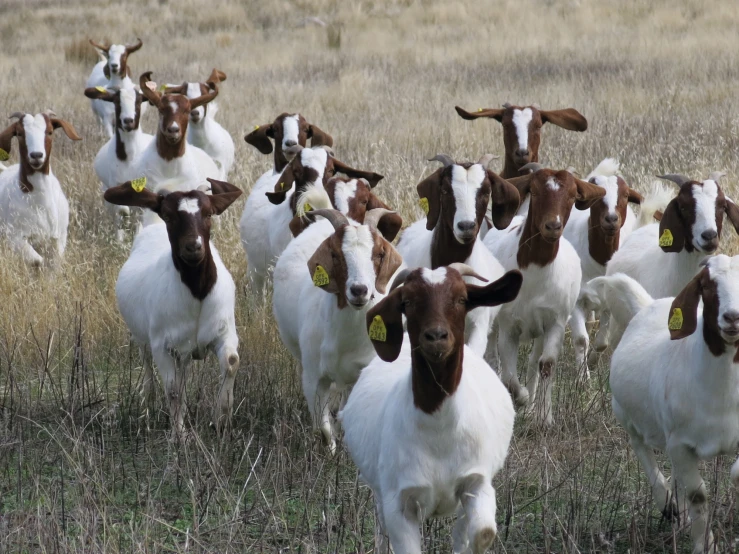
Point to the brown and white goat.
(522, 130)
(551, 281)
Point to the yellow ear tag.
(424, 203)
(666, 239)
(256, 127)
(163, 87)
(282, 186)
(138, 184)
(377, 329)
(320, 277)
(479, 109)
(307, 207)
(101, 89)
(4, 156)
(676, 320)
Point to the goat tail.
(607, 168)
(313, 198)
(655, 201)
(623, 296)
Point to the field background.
(85, 467)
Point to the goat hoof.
(233, 359)
(545, 368)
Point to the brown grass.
(84, 467)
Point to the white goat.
(110, 72)
(551, 282)
(429, 423)
(675, 382)
(204, 131)
(457, 196)
(188, 308)
(354, 264)
(33, 208)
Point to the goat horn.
(328, 149)
(531, 167)
(676, 178)
(486, 159)
(465, 270)
(400, 279)
(443, 158)
(205, 188)
(50, 112)
(507, 105)
(572, 171)
(335, 217)
(99, 46)
(373, 217)
(134, 47)
(17, 115)
(152, 96)
(204, 98)
(716, 175)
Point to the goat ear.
(282, 186)
(222, 200)
(97, 94)
(683, 318)
(56, 123)
(569, 119)
(216, 76)
(430, 190)
(125, 195)
(370, 177)
(221, 187)
(522, 184)
(389, 265)
(385, 326)
(492, 113)
(498, 292)
(671, 229)
(299, 224)
(389, 224)
(318, 137)
(506, 200)
(6, 140)
(635, 197)
(259, 138)
(732, 212)
(587, 194)
(322, 270)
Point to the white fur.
(189, 205)
(657, 199)
(208, 135)
(35, 131)
(423, 465)
(705, 210)
(539, 313)
(161, 312)
(676, 396)
(521, 121)
(434, 276)
(331, 344)
(465, 184)
(343, 193)
(290, 130)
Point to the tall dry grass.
(85, 467)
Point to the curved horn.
(99, 46)
(50, 112)
(204, 98)
(486, 159)
(327, 148)
(134, 47)
(531, 167)
(17, 115)
(465, 270)
(443, 158)
(335, 217)
(400, 279)
(152, 96)
(372, 217)
(507, 105)
(716, 175)
(676, 178)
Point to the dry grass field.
(85, 467)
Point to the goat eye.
(462, 301)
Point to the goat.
(188, 308)
(522, 130)
(680, 397)
(429, 423)
(265, 223)
(33, 207)
(325, 332)
(114, 163)
(596, 234)
(168, 156)
(457, 196)
(551, 281)
(111, 71)
(203, 130)
(663, 257)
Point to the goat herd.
(426, 334)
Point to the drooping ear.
(299, 224)
(635, 197)
(220, 187)
(56, 123)
(506, 200)
(216, 76)
(370, 177)
(221, 201)
(318, 137)
(671, 229)
(282, 186)
(97, 94)
(492, 113)
(522, 184)
(259, 138)
(385, 326)
(390, 223)
(321, 268)
(429, 193)
(587, 194)
(732, 212)
(498, 292)
(6, 139)
(176, 89)
(125, 195)
(683, 318)
(569, 119)
(390, 264)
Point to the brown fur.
(115, 98)
(123, 69)
(604, 235)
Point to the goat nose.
(553, 225)
(290, 143)
(436, 334)
(359, 290)
(732, 316)
(128, 120)
(173, 128)
(612, 218)
(466, 226)
(36, 155)
(521, 153)
(194, 247)
(709, 235)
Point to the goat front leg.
(172, 371)
(491, 355)
(147, 384)
(478, 323)
(228, 359)
(28, 253)
(403, 527)
(478, 500)
(317, 394)
(601, 337)
(552, 344)
(508, 337)
(581, 341)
